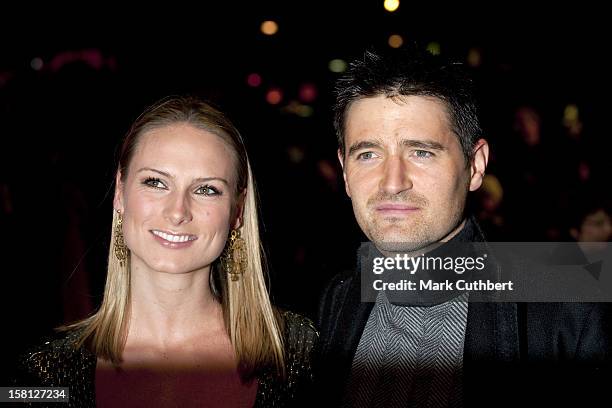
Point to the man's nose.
(396, 177)
(178, 209)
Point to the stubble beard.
(408, 235)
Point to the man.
(411, 149)
(592, 221)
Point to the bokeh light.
(395, 41)
(308, 93)
(305, 111)
(254, 80)
(434, 48)
(299, 109)
(474, 57)
(274, 96)
(36, 64)
(391, 5)
(337, 65)
(570, 114)
(269, 27)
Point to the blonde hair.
(254, 327)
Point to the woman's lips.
(173, 241)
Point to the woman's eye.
(154, 182)
(208, 191)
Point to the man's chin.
(397, 241)
(398, 246)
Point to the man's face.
(596, 227)
(405, 172)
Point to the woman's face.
(178, 200)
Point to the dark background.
(72, 81)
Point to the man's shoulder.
(335, 294)
(576, 315)
(578, 330)
(562, 313)
(340, 280)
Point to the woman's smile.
(173, 241)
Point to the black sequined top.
(58, 363)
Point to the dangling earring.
(234, 259)
(121, 250)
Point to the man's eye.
(366, 156)
(423, 154)
(154, 182)
(208, 191)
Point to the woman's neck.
(169, 309)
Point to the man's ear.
(341, 160)
(239, 210)
(478, 164)
(118, 198)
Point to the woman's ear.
(239, 210)
(118, 198)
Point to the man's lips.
(395, 208)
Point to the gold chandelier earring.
(234, 259)
(121, 250)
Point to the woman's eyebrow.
(198, 179)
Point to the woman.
(186, 319)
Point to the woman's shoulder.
(298, 327)
(57, 344)
(53, 359)
(300, 339)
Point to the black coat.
(552, 353)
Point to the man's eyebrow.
(198, 179)
(364, 144)
(423, 144)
